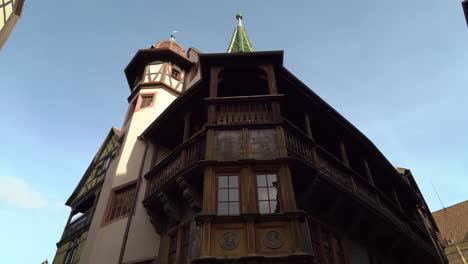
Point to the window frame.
(239, 188)
(110, 204)
(176, 74)
(278, 188)
(140, 99)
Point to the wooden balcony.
(243, 110)
(183, 157)
(77, 225)
(304, 149)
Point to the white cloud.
(18, 192)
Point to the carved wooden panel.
(263, 144)
(229, 240)
(228, 145)
(273, 238)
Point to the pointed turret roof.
(240, 40)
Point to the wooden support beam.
(368, 173)
(187, 118)
(397, 200)
(344, 155)
(308, 127)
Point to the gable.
(96, 171)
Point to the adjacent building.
(10, 11)
(230, 158)
(453, 224)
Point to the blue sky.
(396, 69)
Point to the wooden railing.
(77, 224)
(244, 109)
(302, 147)
(181, 158)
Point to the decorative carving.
(189, 194)
(229, 240)
(263, 144)
(228, 145)
(169, 209)
(273, 239)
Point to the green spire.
(240, 40)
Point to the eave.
(145, 56)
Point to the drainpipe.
(129, 222)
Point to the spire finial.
(240, 41)
(239, 19)
(173, 35)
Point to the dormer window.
(175, 74)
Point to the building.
(465, 9)
(453, 224)
(229, 158)
(10, 11)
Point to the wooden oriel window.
(172, 252)
(328, 245)
(267, 193)
(228, 195)
(175, 74)
(146, 100)
(121, 202)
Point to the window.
(121, 202)
(228, 195)
(175, 74)
(71, 252)
(337, 243)
(184, 246)
(328, 245)
(106, 163)
(146, 100)
(267, 194)
(327, 248)
(171, 256)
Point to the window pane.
(263, 207)
(261, 181)
(222, 182)
(233, 194)
(274, 208)
(234, 208)
(223, 195)
(262, 194)
(233, 182)
(273, 193)
(222, 208)
(272, 180)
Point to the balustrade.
(303, 148)
(244, 110)
(77, 224)
(181, 158)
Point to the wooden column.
(286, 190)
(214, 74)
(250, 236)
(209, 191)
(308, 127)
(213, 92)
(368, 173)
(344, 155)
(270, 71)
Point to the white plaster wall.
(104, 242)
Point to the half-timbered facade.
(243, 163)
